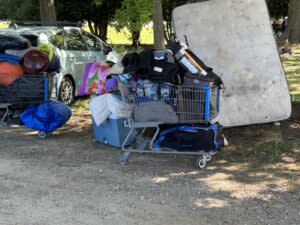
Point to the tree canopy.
(278, 8)
(98, 13)
(133, 14)
(19, 10)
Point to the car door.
(94, 46)
(77, 54)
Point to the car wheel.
(66, 91)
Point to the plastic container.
(112, 132)
(189, 61)
(165, 55)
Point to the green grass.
(291, 66)
(273, 151)
(119, 38)
(3, 25)
(124, 38)
(80, 104)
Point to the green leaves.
(133, 14)
(278, 8)
(19, 10)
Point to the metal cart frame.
(23, 91)
(191, 105)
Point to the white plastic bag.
(106, 105)
(116, 106)
(99, 109)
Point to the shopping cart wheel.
(201, 161)
(208, 158)
(42, 135)
(123, 158)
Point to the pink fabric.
(94, 79)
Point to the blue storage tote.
(112, 132)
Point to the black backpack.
(138, 63)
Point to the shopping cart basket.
(151, 107)
(16, 93)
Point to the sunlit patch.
(290, 166)
(160, 179)
(211, 203)
(295, 126)
(221, 161)
(181, 174)
(220, 176)
(289, 159)
(260, 174)
(29, 133)
(296, 150)
(232, 168)
(211, 168)
(242, 189)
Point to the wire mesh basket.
(26, 89)
(155, 104)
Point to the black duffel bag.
(205, 137)
(13, 42)
(162, 71)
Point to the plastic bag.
(105, 105)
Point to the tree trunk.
(168, 32)
(158, 25)
(47, 11)
(90, 24)
(100, 28)
(293, 28)
(135, 36)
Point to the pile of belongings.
(20, 65)
(152, 72)
(20, 60)
(102, 80)
(19, 57)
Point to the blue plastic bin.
(112, 132)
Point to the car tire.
(66, 91)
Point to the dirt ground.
(70, 179)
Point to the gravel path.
(69, 179)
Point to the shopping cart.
(156, 105)
(18, 92)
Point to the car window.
(93, 43)
(58, 40)
(74, 41)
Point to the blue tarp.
(47, 116)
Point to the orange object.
(194, 62)
(9, 73)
